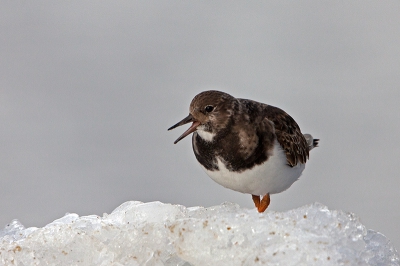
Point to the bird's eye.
(209, 108)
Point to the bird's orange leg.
(264, 203)
(256, 200)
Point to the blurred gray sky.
(89, 88)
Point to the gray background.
(88, 90)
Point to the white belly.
(273, 176)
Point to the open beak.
(191, 129)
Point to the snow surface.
(155, 233)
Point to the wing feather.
(289, 135)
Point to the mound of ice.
(154, 233)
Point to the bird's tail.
(312, 143)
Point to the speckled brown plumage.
(289, 135)
(239, 135)
(244, 126)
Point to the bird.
(246, 146)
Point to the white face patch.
(207, 136)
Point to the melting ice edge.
(155, 233)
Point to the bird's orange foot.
(256, 200)
(263, 205)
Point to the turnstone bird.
(245, 145)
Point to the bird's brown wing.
(288, 135)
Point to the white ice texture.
(155, 233)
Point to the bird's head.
(209, 112)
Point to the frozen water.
(154, 233)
